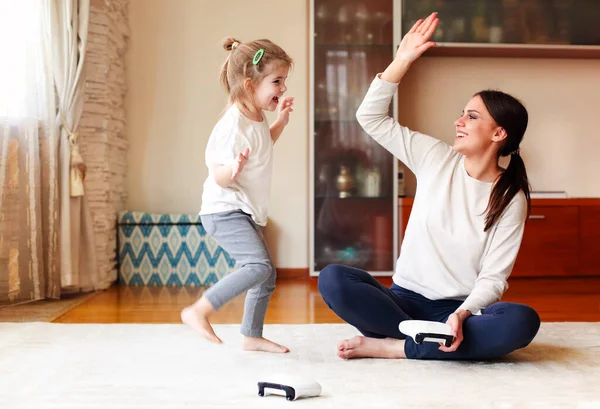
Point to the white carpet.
(167, 366)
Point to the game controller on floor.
(292, 387)
(427, 331)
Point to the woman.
(463, 235)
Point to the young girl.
(235, 200)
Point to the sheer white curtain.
(68, 30)
(29, 257)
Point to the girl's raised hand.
(285, 107)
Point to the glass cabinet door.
(353, 177)
(517, 22)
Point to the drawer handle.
(537, 217)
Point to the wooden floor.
(297, 301)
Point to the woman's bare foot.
(363, 347)
(196, 316)
(262, 344)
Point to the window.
(22, 72)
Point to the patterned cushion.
(168, 250)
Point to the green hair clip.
(258, 56)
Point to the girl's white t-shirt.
(252, 187)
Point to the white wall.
(561, 148)
(174, 98)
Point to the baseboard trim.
(285, 273)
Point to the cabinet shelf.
(355, 45)
(342, 121)
(350, 198)
(513, 51)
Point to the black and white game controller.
(427, 331)
(291, 387)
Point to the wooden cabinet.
(589, 230)
(352, 177)
(404, 208)
(562, 238)
(550, 245)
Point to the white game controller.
(427, 331)
(292, 387)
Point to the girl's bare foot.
(196, 316)
(262, 344)
(363, 347)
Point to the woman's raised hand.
(416, 41)
(412, 46)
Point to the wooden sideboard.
(562, 237)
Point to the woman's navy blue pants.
(376, 311)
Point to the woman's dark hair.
(510, 114)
